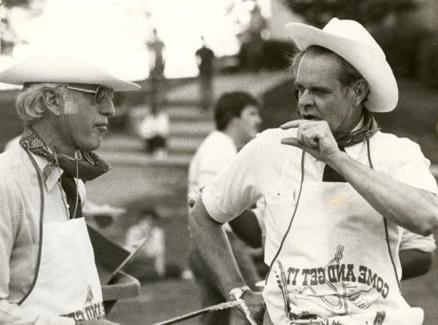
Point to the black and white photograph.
(218, 162)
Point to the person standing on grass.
(205, 58)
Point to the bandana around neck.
(90, 165)
(368, 129)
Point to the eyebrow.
(298, 85)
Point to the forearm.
(407, 206)
(214, 248)
(247, 228)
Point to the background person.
(336, 190)
(157, 63)
(48, 273)
(206, 60)
(237, 122)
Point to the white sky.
(112, 33)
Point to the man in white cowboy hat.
(48, 274)
(335, 189)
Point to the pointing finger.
(291, 141)
(292, 124)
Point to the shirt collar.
(359, 124)
(51, 174)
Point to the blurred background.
(157, 44)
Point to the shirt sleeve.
(236, 188)
(410, 240)
(212, 163)
(412, 167)
(12, 313)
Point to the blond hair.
(30, 102)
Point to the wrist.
(238, 292)
(336, 159)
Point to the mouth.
(310, 117)
(101, 128)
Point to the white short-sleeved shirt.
(212, 157)
(266, 168)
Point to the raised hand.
(314, 137)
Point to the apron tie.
(68, 184)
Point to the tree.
(319, 12)
(16, 3)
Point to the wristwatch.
(237, 293)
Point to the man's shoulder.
(391, 142)
(217, 139)
(10, 160)
(274, 136)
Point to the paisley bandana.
(368, 129)
(90, 165)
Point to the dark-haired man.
(237, 122)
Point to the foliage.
(319, 12)
(16, 3)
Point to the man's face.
(85, 121)
(249, 122)
(321, 96)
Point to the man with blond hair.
(48, 274)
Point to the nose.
(305, 100)
(107, 107)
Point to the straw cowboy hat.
(62, 69)
(351, 41)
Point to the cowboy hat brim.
(371, 64)
(62, 69)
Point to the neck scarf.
(368, 129)
(87, 166)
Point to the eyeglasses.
(99, 94)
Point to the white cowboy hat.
(62, 69)
(351, 41)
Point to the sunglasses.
(99, 94)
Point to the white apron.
(66, 282)
(325, 271)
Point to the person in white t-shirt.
(336, 189)
(237, 122)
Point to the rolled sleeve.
(413, 168)
(410, 240)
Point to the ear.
(361, 90)
(53, 101)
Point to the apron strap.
(290, 222)
(40, 243)
(385, 222)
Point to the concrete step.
(188, 113)
(184, 145)
(121, 143)
(191, 129)
(126, 143)
(140, 159)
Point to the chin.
(90, 144)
